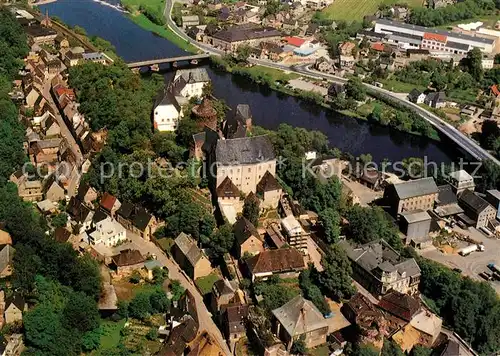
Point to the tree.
(419, 350)
(473, 63)
(251, 209)
(312, 291)
(274, 294)
(222, 240)
(335, 279)
(330, 221)
(355, 89)
(140, 307)
(465, 308)
(390, 348)
(272, 7)
(60, 220)
(81, 313)
(367, 224)
(159, 301)
(242, 53)
(159, 275)
(299, 346)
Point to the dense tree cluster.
(274, 292)
(366, 224)
(471, 308)
(460, 11)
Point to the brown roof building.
(190, 257)
(206, 114)
(127, 261)
(247, 238)
(400, 305)
(285, 262)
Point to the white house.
(188, 83)
(108, 232)
(416, 96)
(167, 112)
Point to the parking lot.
(474, 263)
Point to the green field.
(157, 7)
(110, 337)
(349, 10)
(205, 284)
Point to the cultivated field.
(354, 10)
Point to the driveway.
(174, 272)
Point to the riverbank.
(376, 110)
(141, 12)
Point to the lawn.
(144, 22)
(400, 87)
(349, 10)
(206, 283)
(157, 5)
(110, 337)
(165, 244)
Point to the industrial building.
(435, 40)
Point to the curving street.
(466, 143)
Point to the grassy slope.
(350, 10)
(145, 23)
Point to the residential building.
(244, 161)
(86, 194)
(188, 21)
(418, 194)
(416, 96)
(37, 34)
(359, 310)
(224, 292)
(45, 151)
(108, 232)
(188, 83)
(127, 261)
(30, 190)
(190, 257)
(109, 203)
(402, 306)
(72, 59)
(81, 214)
(14, 308)
(476, 208)
(461, 180)
(166, 112)
(300, 318)
(493, 197)
(412, 36)
(380, 269)
(234, 323)
(429, 325)
(435, 100)
(55, 192)
(14, 346)
(294, 233)
(249, 34)
(416, 226)
(6, 256)
(247, 238)
(346, 48)
(269, 191)
(137, 219)
(323, 65)
(284, 262)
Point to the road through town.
(174, 272)
(455, 135)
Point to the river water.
(269, 108)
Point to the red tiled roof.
(378, 46)
(295, 41)
(61, 90)
(495, 90)
(435, 37)
(108, 201)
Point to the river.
(268, 107)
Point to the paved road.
(65, 132)
(463, 141)
(174, 272)
(474, 263)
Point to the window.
(249, 170)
